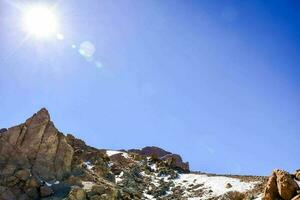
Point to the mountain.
(37, 161)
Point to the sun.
(40, 21)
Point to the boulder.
(98, 189)
(280, 186)
(23, 174)
(46, 191)
(32, 183)
(77, 194)
(287, 187)
(271, 190)
(7, 195)
(3, 130)
(175, 161)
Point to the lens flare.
(87, 49)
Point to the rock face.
(280, 186)
(39, 162)
(173, 160)
(37, 144)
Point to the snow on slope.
(111, 153)
(212, 185)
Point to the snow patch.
(153, 167)
(215, 183)
(111, 153)
(89, 165)
(148, 196)
(87, 185)
(119, 177)
(259, 197)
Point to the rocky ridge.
(39, 162)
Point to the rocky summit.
(37, 161)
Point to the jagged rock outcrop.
(173, 160)
(39, 162)
(37, 144)
(281, 185)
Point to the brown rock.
(77, 194)
(31, 139)
(271, 190)
(46, 191)
(96, 197)
(23, 174)
(228, 185)
(44, 162)
(175, 161)
(98, 189)
(73, 180)
(7, 195)
(63, 158)
(12, 181)
(32, 193)
(287, 187)
(8, 170)
(37, 144)
(32, 183)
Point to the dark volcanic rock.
(3, 130)
(150, 151)
(173, 160)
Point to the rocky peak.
(37, 161)
(38, 144)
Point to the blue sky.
(215, 81)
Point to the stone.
(8, 170)
(287, 187)
(11, 181)
(32, 193)
(98, 189)
(3, 130)
(271, 190)
(228, 185)
(96, 197)
(73, 180)
(46, 191)
(77, 194)
(7, 195)
(32, 183)
(175, 161)
(23, 174)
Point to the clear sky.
(215, 81)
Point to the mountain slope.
(39, 162)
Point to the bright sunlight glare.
(40, 21)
